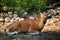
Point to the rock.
(1, 19)
(52, 12)
(52, 25)
(7, 19)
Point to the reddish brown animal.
(29, 25)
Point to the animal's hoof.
(12, 33)
(33, 33)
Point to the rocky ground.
(52, 24)
(40, 36)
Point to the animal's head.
(44, 16)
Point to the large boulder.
(52, 25)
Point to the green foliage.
(31, 6)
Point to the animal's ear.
(43, 14)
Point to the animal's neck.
(41, 22)
(43, 19)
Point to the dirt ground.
(40, 36)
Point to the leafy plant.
(30, 6)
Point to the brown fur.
(29, 25)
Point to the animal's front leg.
(32, 30)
